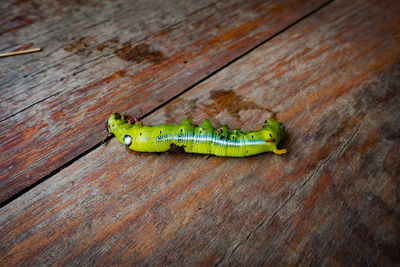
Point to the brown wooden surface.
(76, 50)
(332, 79)
(57, 110)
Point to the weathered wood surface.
(73, 58)
(87, 75)
(333, 80)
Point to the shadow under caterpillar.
(203, 139)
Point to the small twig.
(20, 52)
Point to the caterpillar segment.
(202, 139)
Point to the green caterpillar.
(203, 139)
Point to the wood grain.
(68, 118)
(334, 198)
(73, 58)
(347, 209)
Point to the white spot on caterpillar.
(127, 140)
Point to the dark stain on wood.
(86, 46)
(139, 53)
(27, 3)
(24, 47)
(79, 46)
(101, 47)
(232, 102)
(109, 44)
(18, 22)
(108, 79)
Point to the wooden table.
(329, 70)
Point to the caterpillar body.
(203, 139)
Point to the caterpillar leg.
(129, 119)
(280, 151)
(177, 149)
(109, 133)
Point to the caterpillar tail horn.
(280, 151)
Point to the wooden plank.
(22, 79)
(45, 136)
(347, 210)
(69, 57)
(332, 79)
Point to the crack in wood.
(28, 107)
(53, 172)
(316, 171)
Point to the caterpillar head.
(113, 122)
(274, 132)
(118, 125)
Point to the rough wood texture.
(333, 81)
(79, 40)
(117, 73)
